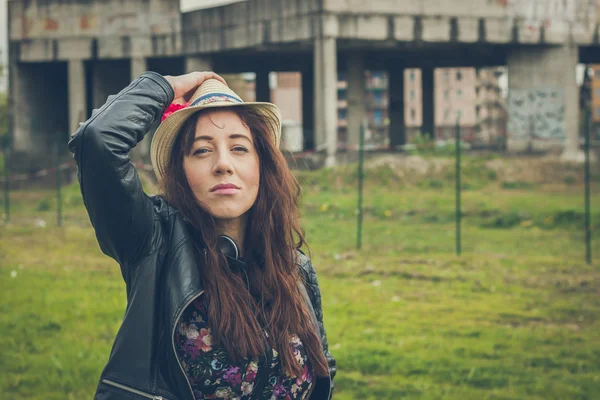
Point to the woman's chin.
(226, 214)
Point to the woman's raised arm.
(121, 213)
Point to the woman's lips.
(230, 190)
(225, 188)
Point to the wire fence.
(64, 201)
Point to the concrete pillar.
(396, 106)
(138, 67)
(262, 87)
(543, 109)
(308, 111)
(141, 152)
(357, 104)
(20, 123)
(325, 105)
(77, 94)
(427, 88)
(198, 63)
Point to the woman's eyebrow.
(232, 136)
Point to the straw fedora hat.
(210, 94)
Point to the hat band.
(213, 97)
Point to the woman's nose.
(223, 163)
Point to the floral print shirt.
(213, 375)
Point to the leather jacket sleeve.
(314, 293)
(119, 210)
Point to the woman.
(220, 301)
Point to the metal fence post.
(588, 228)
(59, 217)
(6, 186)
(458, 210)
(361, 156)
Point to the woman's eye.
(240, 148)
(200, 151)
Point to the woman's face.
(222, 167)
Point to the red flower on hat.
(172, 108)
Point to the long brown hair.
(273, 234)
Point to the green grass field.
(517, 316)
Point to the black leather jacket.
(150, 241)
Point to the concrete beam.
(357, 107)
(468, 29)
(498, 30)
(364, 27)
(198, 63)
(74, 48)
(435, 29)
(404, 29)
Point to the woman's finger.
(184, 85)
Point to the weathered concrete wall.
(84, 29)
(529, 9)
(62, 30)
(92, 18)
(543, 107)
(494, 21)
(248, 24)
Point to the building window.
(378, 117)
(459, 92)
(341, 115)
(446, 75)
(378, 97)
(458, 75)
(411, 76)
(342, 94)
(413, 114)
(412, 94)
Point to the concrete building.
(490, 110)
(66, 57)
(413, 103)
(376, 98)
(455, 102)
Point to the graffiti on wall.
(536, 113)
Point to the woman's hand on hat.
(185, 85)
